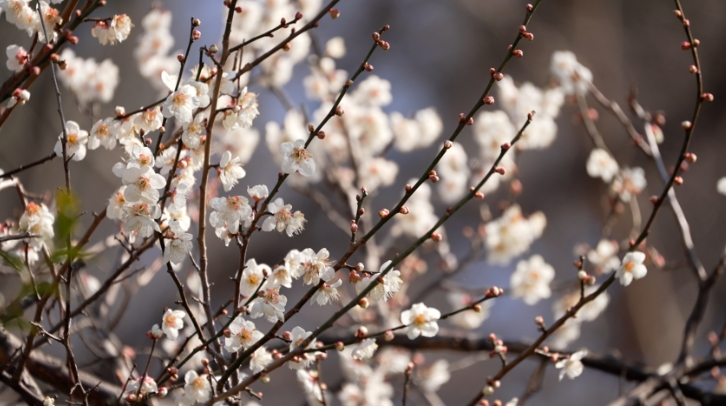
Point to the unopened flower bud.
(539, 321)
(367, 67)
(353, 226)
(690, 157)
(500, 170)
(479, 195)
(180, 58)
(448, 144)
(264, 378)
(489, 100)
(518, 53)
(196, 35)
(334, 13)
(693, 69)
(339, 111)
(120, 111)
(653, 199)
(686, 125)
(298, 15)
(433, 177)
(376, 36)
(498, 76)
(590, 280)
(321, 134)
(678, 180)
(696, 42)
(361, 332)
(404, 210)
(685, 45)
(388, 335)
(409, 188)
(581, 275)
(360, 267)
(477, 308)
(437, 237)
(213, 49)
(384, 45)
(363, 303)
(707, 97)
(488, 390)
(196, 23)
(287, 335)
(383, 213)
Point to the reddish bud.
(707, 97)
(686, 23)
(361, 332)
(334, 13)
(690, 157)
(489, 100)
(498, 76)
(238, 9)
(653, 199)
(287, 335)
(693, 69)
(437, 237)
(409, 188)
(388, 335)
(363, 303)
(518, 53)
(506, 146)
(384, 45)
(479, 195)
(55, 58)
(383, 213)
(678, 180)
(73, 39)
(500, 170)
(433, 177)
(522, 29)
(685, 45)
(529, 36)
(353, 226)
(339, 111)
(298, 15)
(180, 58)
(311, 128)
(386, 27)
(368, 67)
(376, 36)
(321, 134)
(196, 34)
(35, 70)
(462, 117)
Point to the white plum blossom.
(313, 267)
(572, 365)
(469, 319)
(283, 219)
(430, 378)
(252, 277)
(260, 359)
(295, 158)
(149, 120)
(88, 80)
(531, 280)
(110, 32)
(298, 336)
(172, 322)
(630, 182)
(365, 349)
(230, 169)
(19, 96)
(421, 320)
(631, 268)
(242, 335)
(178, 243)
(335, 47)
(419, 132)
(243, 114)
(196, 388)
(572, 76)
(102, 134)
(116, 204)
(229, 212)
(377, 172)
(314, 396)
(193, 131)
(327, 293)
(142, 185)
(258, 193)
(167, 158)
(601, 165)
(146, 384)
(373, 92)
(17, 57)
(269, 303)
(76, 140)
(37, 220)
(182, 102)
(389, 284)
(139, 218)
(512, 234)
(604, 256)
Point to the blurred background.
(440, 55)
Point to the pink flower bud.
(489, 100)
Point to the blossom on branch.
(283, 219)
(230, 169)
(421, 320)
(172, 322)
(531, 280)
(631, 268)
(243, 334)
(572, 365)
(75, 142)
(295, 158)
